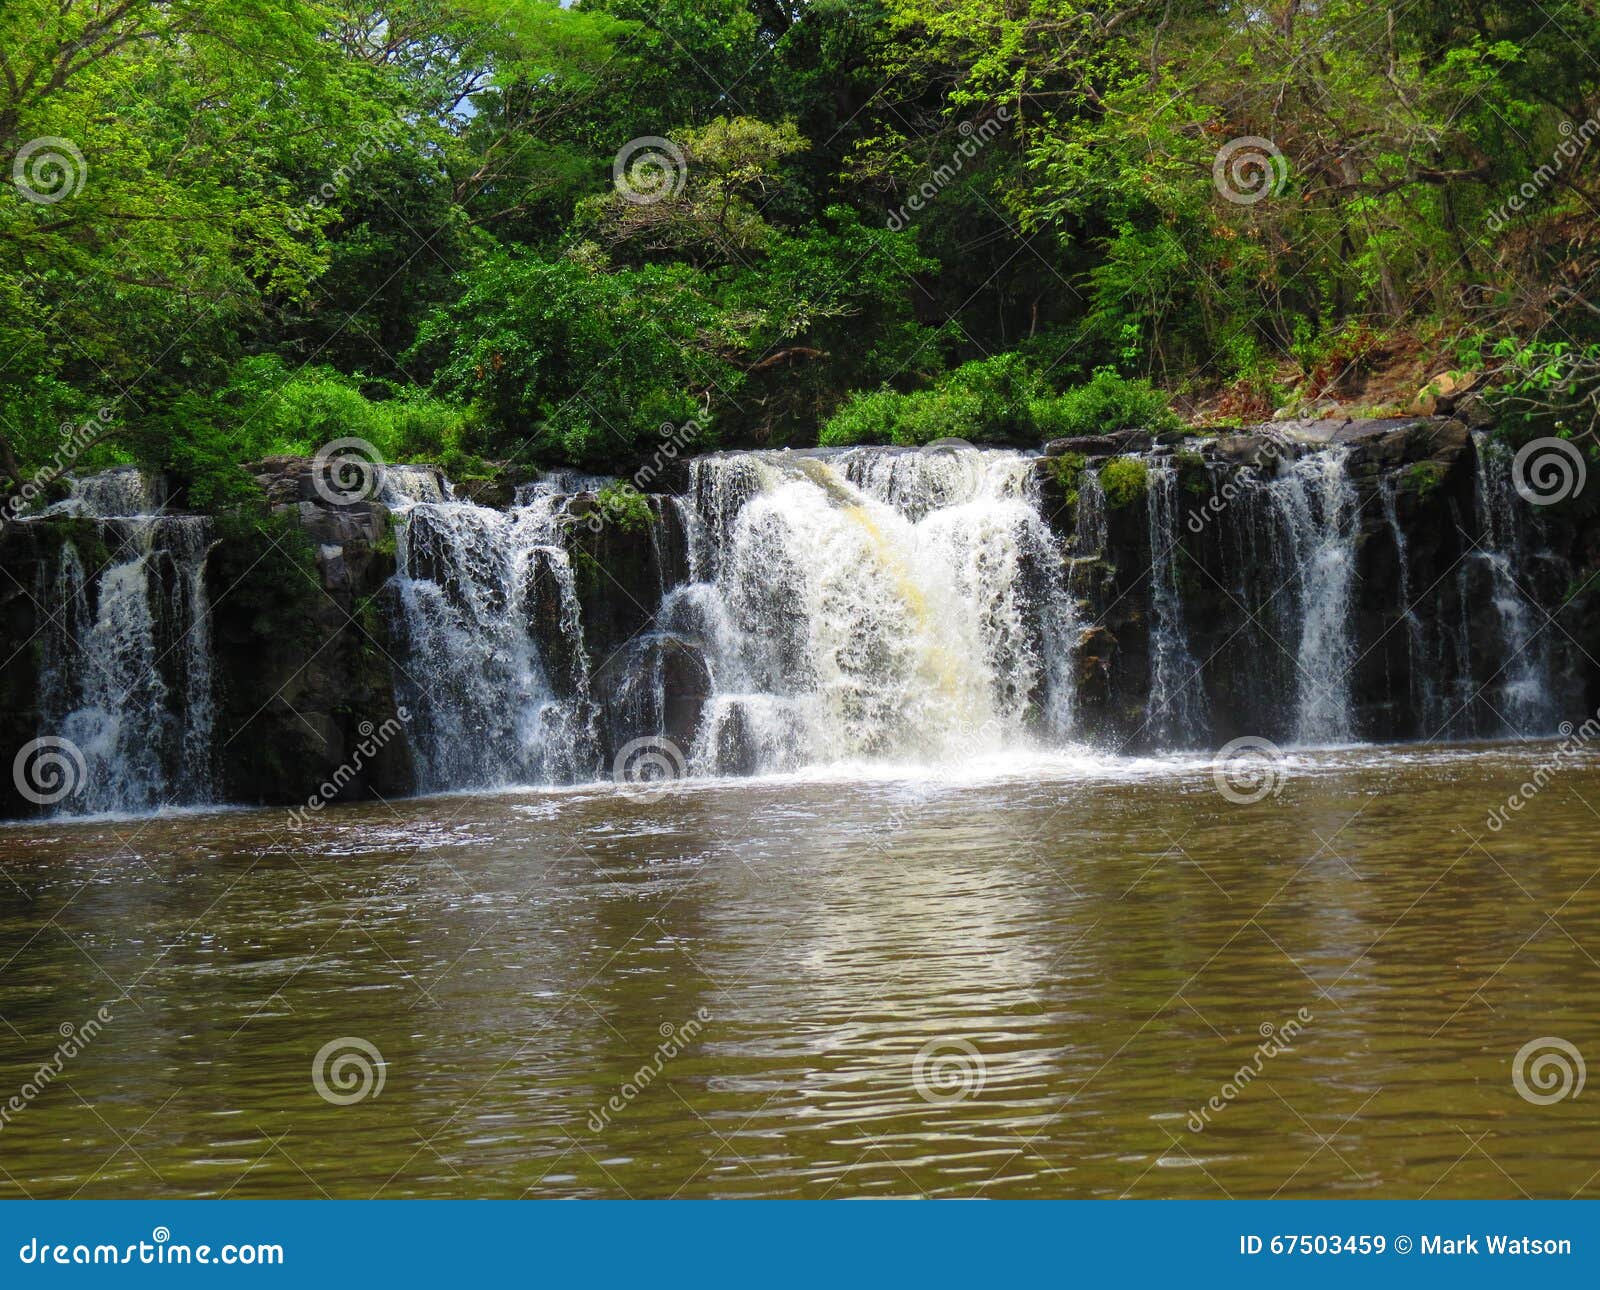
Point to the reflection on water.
(1030, 985)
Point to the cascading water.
(1520, 685)
(1176, 711)
(127, 674)
(494, 662)
(1316, 507)
(872, 604)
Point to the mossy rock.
(1193, 477)
(1424, 477)
(1068, 467)
(1124, 481)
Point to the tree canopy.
(516, 230)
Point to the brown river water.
(1071, 978)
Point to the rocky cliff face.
(1314, 581)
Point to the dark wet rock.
(1101, 445)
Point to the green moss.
(1424, 477)
(1124, 480)
(387, 544)
(1068, 468)
(1192, 474)
(82, 534)
(269, 565)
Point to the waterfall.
(1176, 712)
(1316, 508)
(872, 604)
(126, 674)
(494, 664)
(1520, 685)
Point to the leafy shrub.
(1107, 403)
(573, 364)
(625, 506)
(264, 408)
(1069, 467)
(985, 401)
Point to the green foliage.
(985, 401)
(264, 408)
(625, 506)
(1193, 477)
(562, 361)
(1546, 388)
(1124, 480)
(1106, 403)
(282, 221)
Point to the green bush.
(265, 408)
(1069, 467)
(984, 401)
(1107, 403)
(625, 506)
